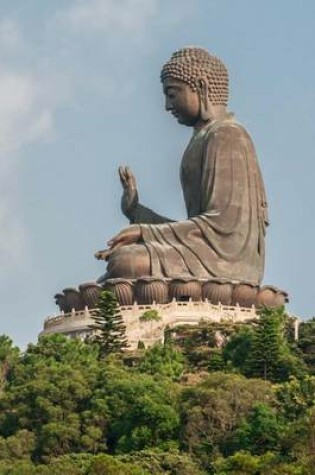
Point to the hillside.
(215, 399)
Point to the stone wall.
(76, 324)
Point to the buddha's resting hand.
(130, 198)
(130, 235)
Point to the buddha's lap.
(129, 261)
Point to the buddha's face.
(182, 102)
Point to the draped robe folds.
(223, 236)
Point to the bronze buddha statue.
(223, 236)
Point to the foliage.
(106, 465)
(190, 337)
(142, 411)
(263, 350)
(141, 345)
(244, 463)
(109, 326)
(260, 432)
(216, 362)
(237, 349)
(17, 446)
(158, 462)
(163, 360)
(51, 391)
(267, 346)
(296, 396)
(74, 465)
(213, 409)
(150, 316)
(183, 408)
(306, 344)
(8, 357)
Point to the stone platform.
(177, 301)
(76, 323)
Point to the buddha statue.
(224, 233)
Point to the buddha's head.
(195, 85)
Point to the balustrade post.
(296, 329)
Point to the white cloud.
(30, 92)
(113, 17)
(23, 117)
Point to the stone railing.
(56, 320)
(77, 324)
(203, 310)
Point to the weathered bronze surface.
(149, 290)
(223, 236)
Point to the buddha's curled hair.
(191, 64)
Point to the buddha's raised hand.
(129, 199)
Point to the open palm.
(130, 198)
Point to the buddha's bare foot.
(103, 255)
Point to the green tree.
(49, 394)
(298, 444)
(109, 326)
(237, 349)
(270, 356)
(107, 465)
(163, 360)
(216, 362)
(157, 462)
(212, 410)
(296, 397)
(142, 411)
(9, 355)
(18, 446)
(150, 316)
(67, 464)
(306, 343)
(92, 440)
(244, 463)
(61, 405)
(261, 431)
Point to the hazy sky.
(80, 95)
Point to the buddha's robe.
(223, 236)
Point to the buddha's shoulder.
(228, 128)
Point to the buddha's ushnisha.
(223, 236)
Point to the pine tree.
(267, 344)
(306, 344)
(109, 325)
(270, 356)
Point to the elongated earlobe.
(205, 104)
(205, 109)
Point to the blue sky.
(80, 95)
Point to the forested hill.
(214, 399)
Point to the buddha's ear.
(205, 104)
(202, 86)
